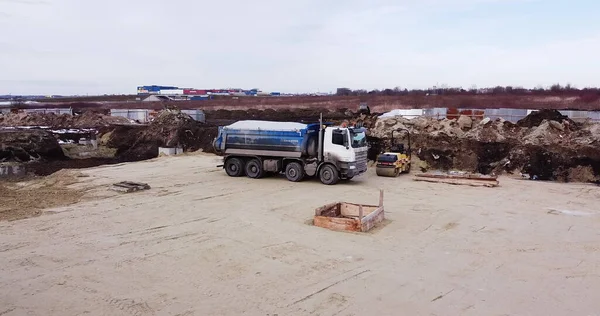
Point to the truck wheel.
(254, 169)
(234, 167)
(294, 172)
(328, 175)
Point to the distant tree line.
(555, 90)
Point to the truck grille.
(361, 160)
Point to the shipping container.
(198, 98)
(194, 92)
(275, 93)
(172, 92)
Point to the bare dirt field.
(201, 243)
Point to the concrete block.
(169, 151)
(12, 171)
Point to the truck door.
(336, 145)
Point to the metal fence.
(47, 111)
(144, 116)
(141, 116)
(197, 115)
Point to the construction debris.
(546, 145)
(171, 128)
(128, 187)
(459, 178)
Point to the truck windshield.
(359, 139)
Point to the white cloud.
(71, 46)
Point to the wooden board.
(369, 221)
(337, 223)
(352, 210)
(469, 182)
(128, 186)
(477, 177)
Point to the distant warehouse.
(200, 94)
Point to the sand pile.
(28, 199)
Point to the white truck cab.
(346, 147)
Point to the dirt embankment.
(377, 103)
(89, 119)
(170, 128)
(544, 145)
(28, 145)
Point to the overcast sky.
(112, 46)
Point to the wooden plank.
(372, 219)
(452, 176)
(324, 209)
(352, 210)
(336, 223)
(469, 182)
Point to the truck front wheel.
(294, 172)
(328, 175)
(234, 167)
(254, 169)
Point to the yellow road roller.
(395, 161)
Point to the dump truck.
(298, 150)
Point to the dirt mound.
(28, 199)
(170, 128)
(536, 118)
(421, 125)
(89, 119)
(547, 133)
(497, 131)
(546, 145)
(28, 145)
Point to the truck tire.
(254, 169)
(328, 175)
(294, 172)
(234, 167)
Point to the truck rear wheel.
(294, 172)
(234, 167)
(254, 169)
(328, 175)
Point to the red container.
(194, 92)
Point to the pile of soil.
(536, 118)
(28, 145)
(544, 145)
(170, 128)
(88, 119)
(28, 199)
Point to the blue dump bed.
(263, 137)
